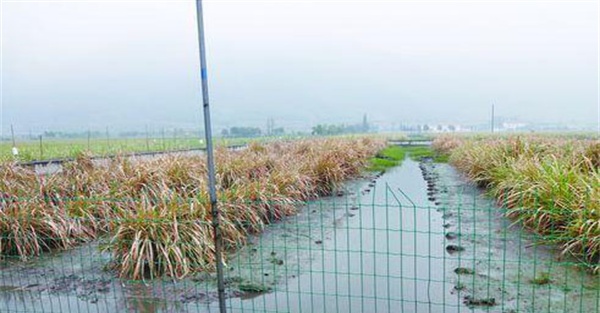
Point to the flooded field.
(417, 239)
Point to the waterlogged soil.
(353, 252)
(418, 238)
(499, 266)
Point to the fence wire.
(367, 249)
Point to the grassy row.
(394, 155)
(389, 157)
(417, 153)
(155, 214)
(551, 185)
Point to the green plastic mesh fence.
(418, 238)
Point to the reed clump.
(551, 185)
(155, 213)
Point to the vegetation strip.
(550, 185)
(160, 223)
(393, 155)
(112, 156)
(389, 157)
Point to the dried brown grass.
(155, 213)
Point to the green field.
(33, 150)
(67, 148)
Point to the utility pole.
(270, 126)
(210, 161)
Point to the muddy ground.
(499, 266)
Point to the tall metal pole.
(210, 160)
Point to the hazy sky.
(127, 64)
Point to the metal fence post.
(107, 140)
(12, 135)
(210, 160)
(162, 134)
(15, 151)
(41, 148)
(147, 140)
(174, 138)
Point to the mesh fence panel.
(375, 247)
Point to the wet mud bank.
(497, 265)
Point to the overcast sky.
(127, 64)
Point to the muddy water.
(386, 255)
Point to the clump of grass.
(551, 185)
(392, 152)
(155, 238)
(389, 157)
(542, 279)
(27, 229)
(394, 155)
(155, 213)
(34, 219)
(444, 145)
(418, 153)
(257, 186)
